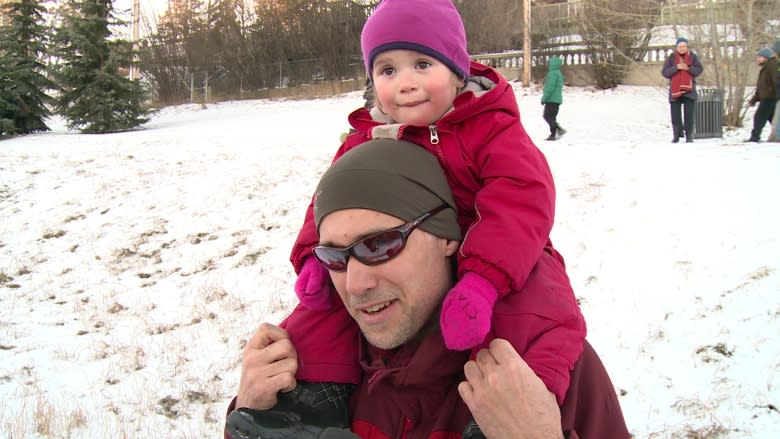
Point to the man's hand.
(506, 397)
(269, 366)
(682, 66)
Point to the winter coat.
(777, 70)
(501, 181)
(765, 84)
(405, 395)
(694, 68)
(553, 82)
(777, 78)
(411, 393)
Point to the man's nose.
(359, 277)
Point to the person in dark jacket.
(386, 212)
(682, 68)
(774, 136)
(766, 94)
(552, 97)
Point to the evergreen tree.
(96, 96)
(23, 86)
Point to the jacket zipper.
(434, 134)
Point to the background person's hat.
(765, 52)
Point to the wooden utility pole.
(526, 43)
(136, 19)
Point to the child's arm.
(544, 323)
(306, 240)
(313, 286)
(307, 236)
(514, 210)
(513, 217)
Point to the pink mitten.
(312, 286)
(467, 312)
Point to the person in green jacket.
(553, 97)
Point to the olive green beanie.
(389, 176)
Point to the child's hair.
(432, 27)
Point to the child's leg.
(592, 408)
(327, 344)
(544, 324)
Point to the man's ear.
(452, 247)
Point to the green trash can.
(708, 121)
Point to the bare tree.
(616, 34)
(493, 25)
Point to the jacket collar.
(424, 363)
(484, 83)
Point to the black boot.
(304, 413)
(473, 431)
(678, 132)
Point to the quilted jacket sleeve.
(514, 209)
(307, 236)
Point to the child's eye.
(422, 65)
(386, 71)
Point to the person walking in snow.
(766, 94)
(774, 135)
(552, 98)
(681, 69)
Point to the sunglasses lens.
(331, 258)
(379, 248)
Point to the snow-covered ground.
(134, 266)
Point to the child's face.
(413, 88)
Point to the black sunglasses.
(374, 249)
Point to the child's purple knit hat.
(432, 27)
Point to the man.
(774, 136)
(681, 69)
(386, 221)
(765, 94)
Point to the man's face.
(682, 48)
(393, 301)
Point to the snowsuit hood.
(555, 63)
